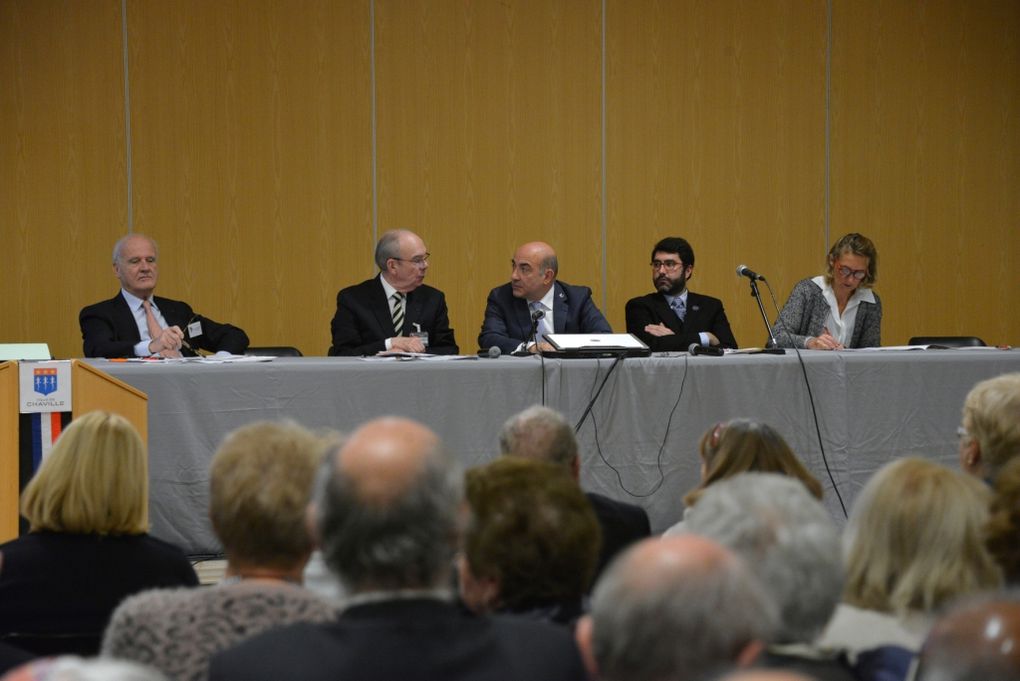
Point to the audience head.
(402, 258)
(766, 675)
(135, 264)
(95, 480)
(914, 540)
(1003, 531)
(532, 540)
(856, 252)
(540, 433)
(389, 515)
(533, 270)
(746, 446)
(774, 524)
(977, 640)
(675, 608)
(73, 668)
(260, 486)
(991, 426)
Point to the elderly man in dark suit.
(533, 288)
(135, 323)
(544, 434)
(673, 318)
(388, 522)
(382, 313)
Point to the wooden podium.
(91, 390)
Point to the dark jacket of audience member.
(88, 514)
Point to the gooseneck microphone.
(699, 349)
(745, 271)
(536, 316)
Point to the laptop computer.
(586, 345)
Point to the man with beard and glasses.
(674, 317)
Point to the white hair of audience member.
(787, 537)
(977, 639)
(691, 625)
(74, 668)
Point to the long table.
(639, 443)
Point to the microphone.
(537, 314)
(699, 349)
(491, 353)
(744, 271)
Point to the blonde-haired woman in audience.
(1003, 530)
(744, 446)
(261, 482)
(913, 543)
(87, 548)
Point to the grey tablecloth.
(638, 444)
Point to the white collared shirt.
(138, 310)
(841, 327)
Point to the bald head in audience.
(388, 518)
(978, 640)
(679, 608)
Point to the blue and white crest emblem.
(45, 381)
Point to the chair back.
(275, 350)
(948, 341)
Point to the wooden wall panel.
(252, 144)
(715, 128)
(62, 165)
(926, 160)
(489, 136)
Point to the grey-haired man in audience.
(544, 434)
(682, 608)
(389, 528)
(774, 524)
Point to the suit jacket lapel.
(381, 307)
(412, 312)
(560, 308)
(125, 320)
(522, 315)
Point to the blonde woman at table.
(744, 446)
(839, 309)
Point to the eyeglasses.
(668, 265)
(857, 274)
(962, 433)
(417, 261)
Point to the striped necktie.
(398, 312)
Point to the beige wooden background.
(270, 140)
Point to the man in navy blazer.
(673, 318)
(367, 314)
(508, 311)
(120, 326)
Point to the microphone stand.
(532, 335)
(773, 348)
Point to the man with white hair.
(789, 539)
(389, 524)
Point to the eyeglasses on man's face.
(417, 261)
(668, 265)
(857, 274)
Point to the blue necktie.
(680, 307)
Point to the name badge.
(194, 329)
